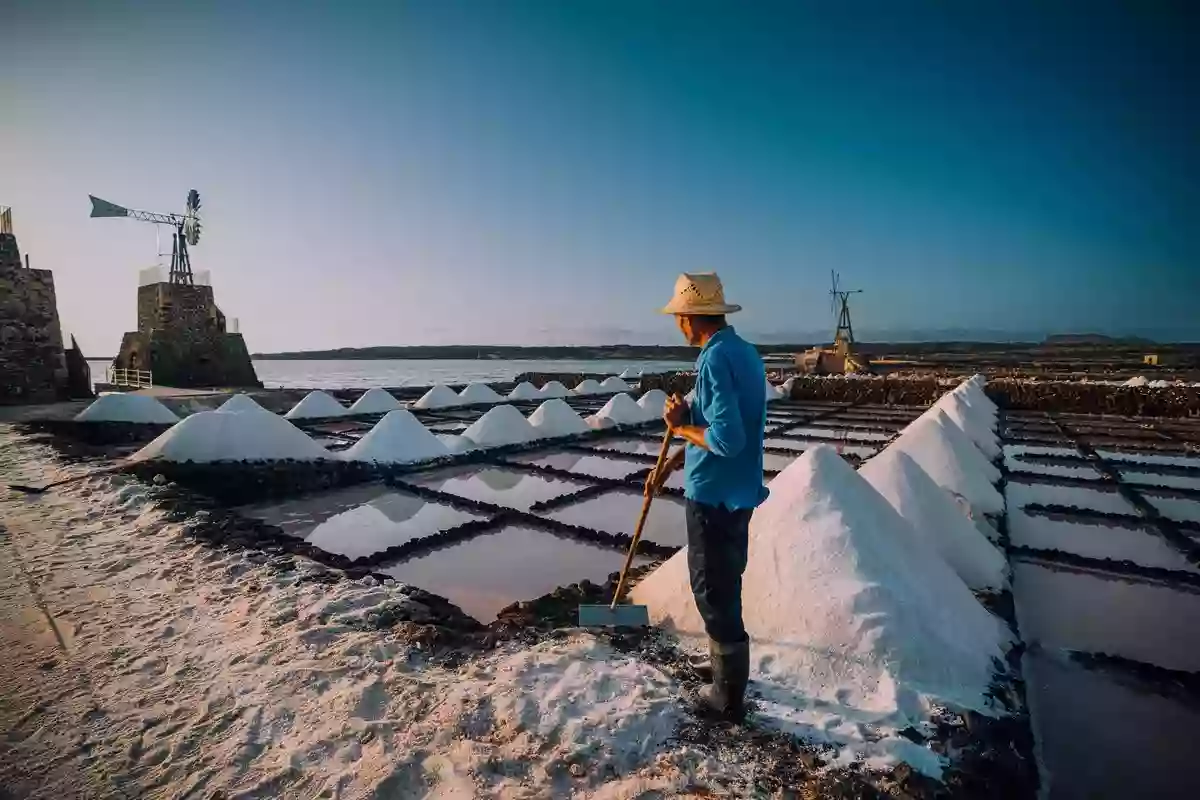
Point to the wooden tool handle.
(641, 523)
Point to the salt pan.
(118, 407)
(375, 401)
(398, 438)
(615, 384)
(588, 386)
(843, 609)
(221, 436)
(554, 389)
(439, 396)
(556, 418)
(936, 519)
(622, 410)
(654, 403)
(316, 405)
(524, 391)
(241, 404)
(500, 426)
(479, 393)
(952, 460)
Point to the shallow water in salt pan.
(617, 512)
(1140, 478)
(1102, 734)
(489, 572)
(596, 466)
(1096, 540)
(501, 487)
(644, 446)
(1102, 613)
(360, 520)
(1180, 509)
(1017, 495)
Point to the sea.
(421, 372)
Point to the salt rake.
(626, 616)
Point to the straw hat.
(699, 293)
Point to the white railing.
(130, 378)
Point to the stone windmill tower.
(182, 339)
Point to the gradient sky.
(526, 172)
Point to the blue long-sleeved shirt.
(731, 399)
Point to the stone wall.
(181, 339)
(32, 366)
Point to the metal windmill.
(187, 230)
(839, 304)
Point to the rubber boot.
(725, 698)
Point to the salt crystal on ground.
(631, 373)
(479, 393)
(554, 389)
(587, 386)
(500, 426)
(221, 436)
(524, 391)
(439, 396)
(952, 460)
(848, 620)
(1139, 380)
(622, 410)
(117, 407)
(654, 403)
(773, 391)
(315, 405)
(398, 438)
(615, 384)
(556, 418)
(375, 401)
(936, 519)
(241, 404)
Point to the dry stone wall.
(32, 366)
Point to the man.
(723, 476)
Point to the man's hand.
(657, 478)
(677, 413)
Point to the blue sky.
(527, 172)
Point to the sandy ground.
(138, 663)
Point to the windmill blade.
(193, 200)
(103, 208)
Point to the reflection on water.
(1104, 735)
(617, 512)
(484, 574)
(1017, 495)
(360, 520)
(1096, 540)
(1099, 613)
(597, 466)
(502, 487)
(644, 446)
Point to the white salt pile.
(773, 391)
(653, 403)
(587, 386)
(615, 384)
(479, 393)
(622, 410)
(952, 460)
(117, 407)
(500, 426)
(554, 389)
(375, 401)
(849, 617)
(315, 405)
(221, 436)
(1140, 380)
(439, 396)
(631, 373)
(524, 391)
(455, 443)
(936, 519)
(398, 438)
(971, 422)
(556, 418)
(241, 404)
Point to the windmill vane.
(187, 230)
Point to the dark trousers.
(718, 539)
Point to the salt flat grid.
(840, 419)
